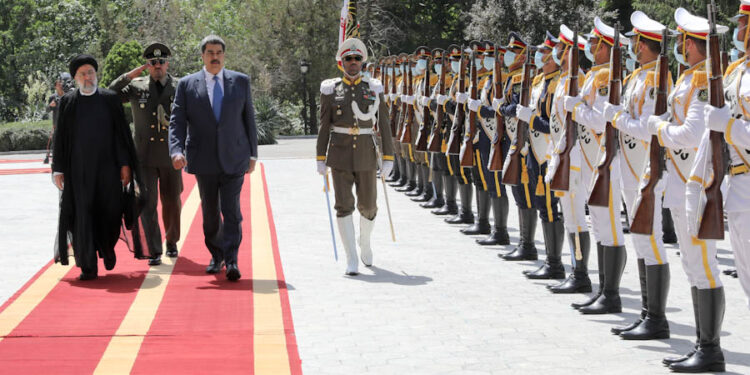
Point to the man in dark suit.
(212, 134)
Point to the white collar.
(210, 76)
(89, 94)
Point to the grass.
(43, 124)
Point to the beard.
(87, 86)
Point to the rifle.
(600, 193)
(495, 162)
(424, 131)
(467, 148)
(643, 220)
(512, 167)
(406, 129)
(436, 140)
(712, 224)
(454, 141)
(394, 108)
(402, 112)
(561, 179)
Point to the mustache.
(215, 61)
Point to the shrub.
(122, 58)
(268, 119)
(19, 136)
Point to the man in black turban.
(94, 161)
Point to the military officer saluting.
(349, 108)
(151, 99)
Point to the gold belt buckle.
(354, 131)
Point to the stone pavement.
(434, 303)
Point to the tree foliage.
(121, 59)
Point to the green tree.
(122, 58)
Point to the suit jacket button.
(355, 138)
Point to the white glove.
(569, 102)
(654, 121)
(610, 110)
(524, 113)
(717, 119)
(496, 103)
(387, 167)
(322, 167)
(392, 97)
(424, 101)
(408, 99)
(474, 104)
(462, 97)
(442, 99)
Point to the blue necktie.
(218, 96)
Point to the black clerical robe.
(92, 142)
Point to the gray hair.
(212, 39)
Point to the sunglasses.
(355, 58)
(153, 62)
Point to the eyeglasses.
(353, 57)
(153, 62)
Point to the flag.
(348, 24)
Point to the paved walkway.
(434, 303)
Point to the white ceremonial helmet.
(352, 46)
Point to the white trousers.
(698, 256)
(650, 248)
(739, 236)
(605, 221)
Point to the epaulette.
(734, 65)
(375, 86)
(601, 78)
(700, 79)
(327, 86)
(650, 78)
(434, 78)
(138, 79)
(538, 79)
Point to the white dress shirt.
(210, 83)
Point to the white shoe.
(346, 231)
(365, 230)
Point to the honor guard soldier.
(680, 131)
(523, 193)
(396, 104)
(537, 115)
(631, 119)
(462, 176)
(425, 189)
(406, 124)
(151, 99)
(436, 163)
(481, 145)
(451, 177)
(734, 121)
(572, 201)
(497, 197)
(350, 107)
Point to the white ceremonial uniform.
(605, 221)
(682, 136)
(737, 196)
(574, 200)
(638, 105)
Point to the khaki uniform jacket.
(351, 152)
(151, 113)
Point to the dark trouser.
(222, 218)
(169, 182)
(365, 182)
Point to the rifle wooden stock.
(424, 128)
(467, 148)
(402, 111)
(454, 141)
(512, 168)
(643, 220)
(406, 131)
(436, 140)
(495, 162)
(561, 178)
(394, 108)
(712, 224)
(600, 193)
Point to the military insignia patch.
(157, 52)
(604, 90)
(703, 95)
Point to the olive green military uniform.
(352, 156)
(151, 108)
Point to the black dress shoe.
(171, 250)
(87, 276)
(435, 202)
(154, 262)
(233, 273)
(214, 266)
